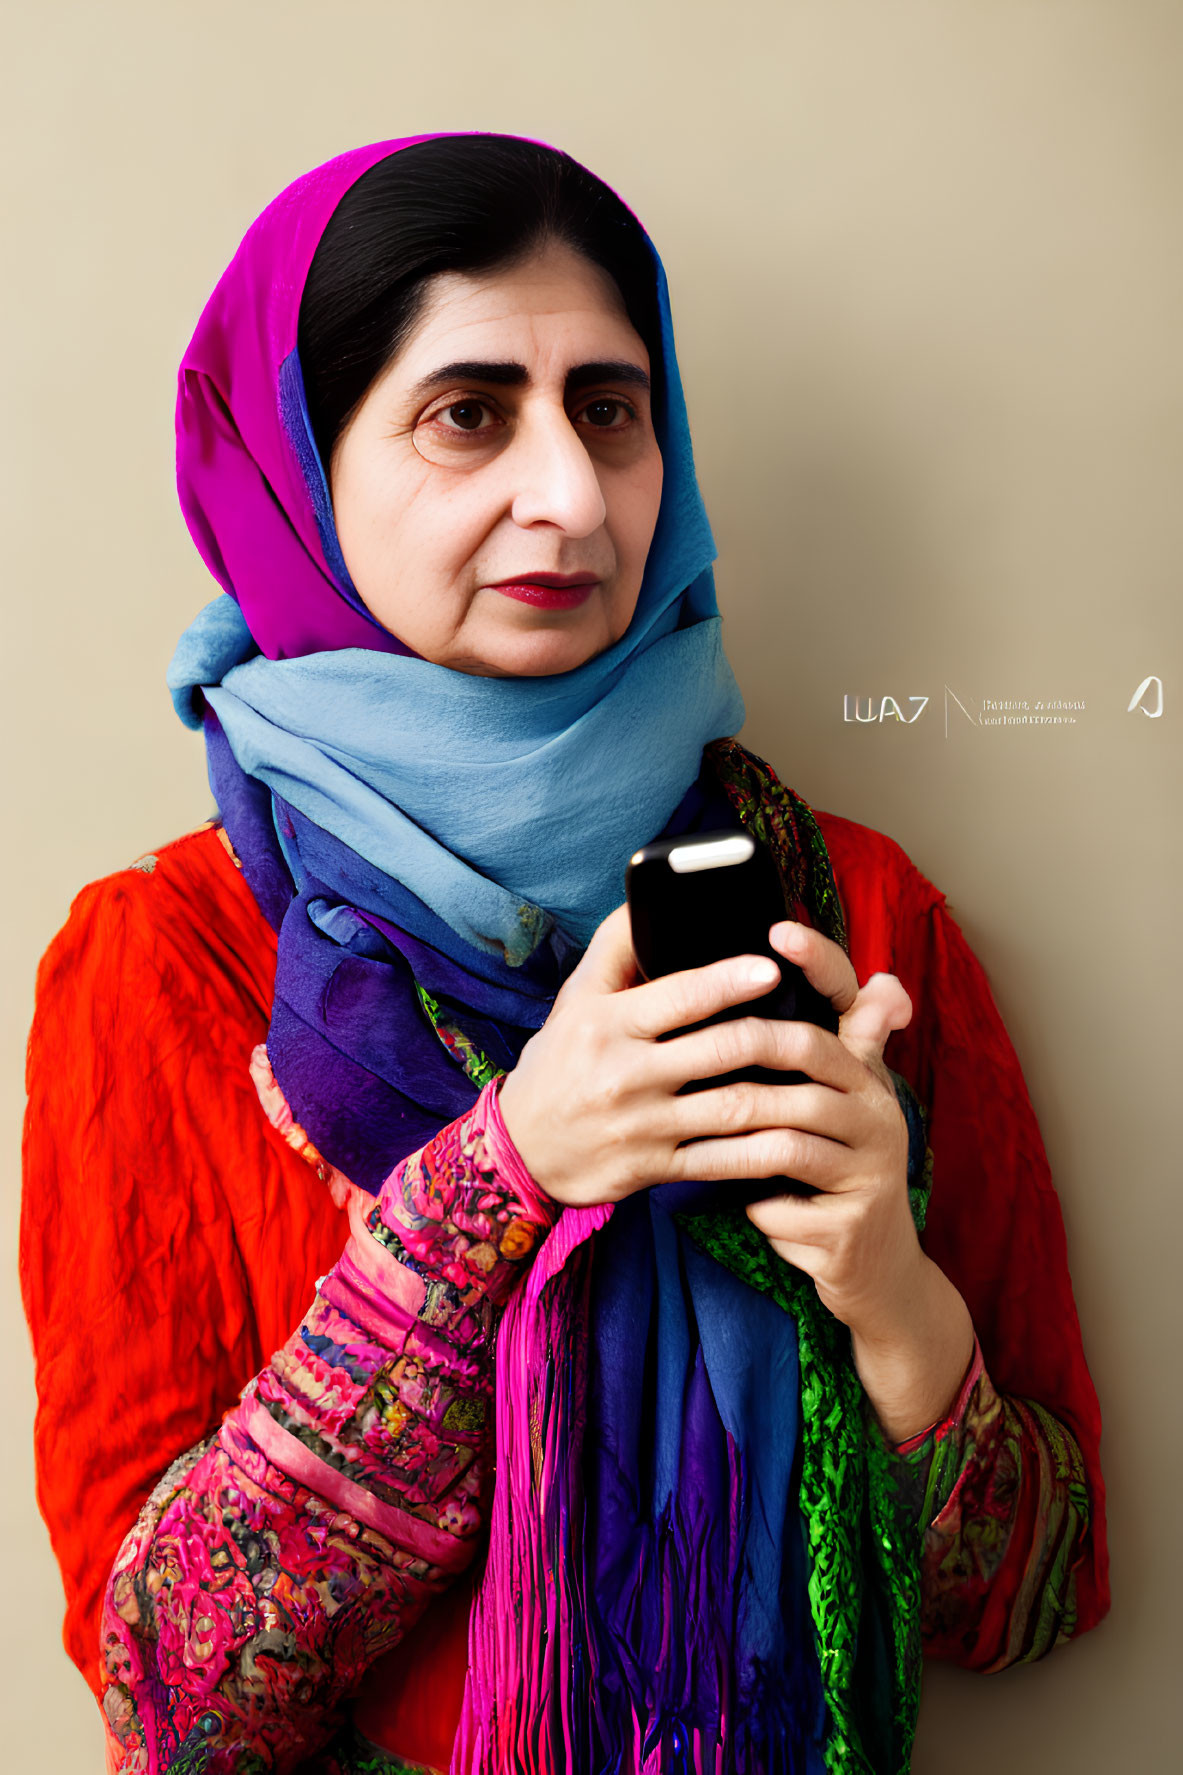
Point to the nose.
(554, 479)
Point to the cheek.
(394, 525)
(634, 502)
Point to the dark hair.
(459, 203)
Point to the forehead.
(556, 303)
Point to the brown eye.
(461, 432)
(466, 415)
(605, 414)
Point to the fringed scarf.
(698, 1557)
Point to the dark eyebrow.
(513, 375)
(587, 375)
(502, 375)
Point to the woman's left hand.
(911, 1331)
(856, 1238)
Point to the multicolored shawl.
(706, 1594)
(652, 1599)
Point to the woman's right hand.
(592, 1105)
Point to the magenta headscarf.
(243, 459)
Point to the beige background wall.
(928, 280)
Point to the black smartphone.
(707, 895)
(700, 898)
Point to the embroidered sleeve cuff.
(509, 1160)
(463, 1214)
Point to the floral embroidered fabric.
(272, 1565)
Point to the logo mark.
(881, 708)
(974, 719)
(1136, 701)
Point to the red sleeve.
(157, 1277)
(994, 1222)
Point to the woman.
(375, 1040)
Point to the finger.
(744, 1108)
(657, 1006)
(771, 1153)
(825, 963)
(608, 964)
(793, 1219)
(882, 1006)
(737, 1042)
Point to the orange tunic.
(158, 1277)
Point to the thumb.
(608, 964)
(880, 1006)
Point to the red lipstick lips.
(549, 591)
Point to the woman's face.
(497, 490)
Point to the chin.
(549, 665)
(546, 653)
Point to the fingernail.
(762, 973)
